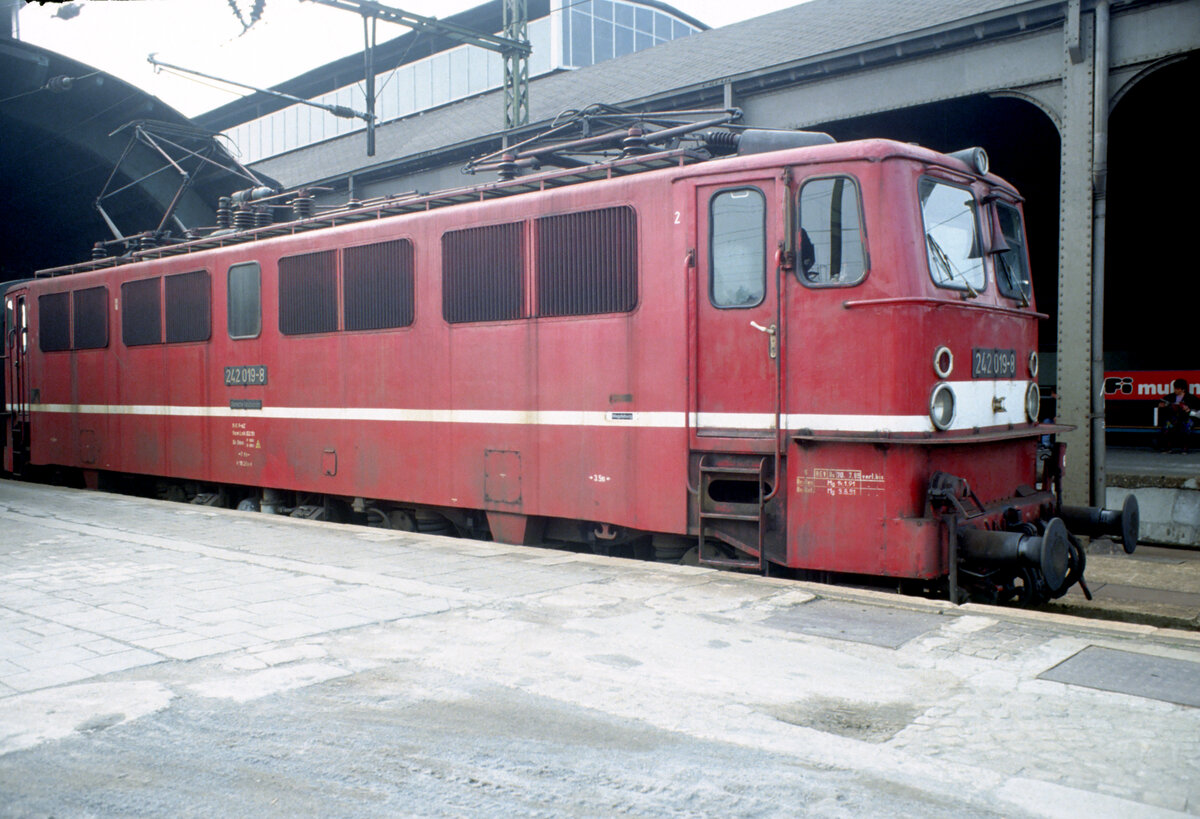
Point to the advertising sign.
(1147, 385)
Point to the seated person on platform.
(1175, 417)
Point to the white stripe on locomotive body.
(975, 409)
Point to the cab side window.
(830, 245)
(1012, 268)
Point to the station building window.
(587, 263)
(575, 34)
(483, 273)
(141, 312)
(598, 30)
(308, 293)
(830, 245)
(737, 248)
(244, 314)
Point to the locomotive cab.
(901, 364)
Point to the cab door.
(737, 343)
(16, 377)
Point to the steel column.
(1075, 243)
(1099, 209)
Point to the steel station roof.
(782, 47)
(57, 151)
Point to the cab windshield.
(952, 236)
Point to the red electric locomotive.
(803, 355)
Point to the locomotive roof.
(686, 162)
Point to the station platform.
(164, 659)
(1167, 486)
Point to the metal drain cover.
(1125, 672)
(876, 625)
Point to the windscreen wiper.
(944, 262)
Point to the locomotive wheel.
(172, 492)
(712, 549)
(377, 518)
(1034, 591)
(248, 505)
(1024, 587)
(402, 520)
(329, 512)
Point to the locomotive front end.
(925, 455)
(1021, 544)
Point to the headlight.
(1033, 365)
(1033, 402)
(943, 362)
(941, 406)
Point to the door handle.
(773, 346)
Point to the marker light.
(943, 361)
(1033, 365)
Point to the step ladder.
(711, 471)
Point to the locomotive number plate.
(989, 363)
(251, 376)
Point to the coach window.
(89, 330)
(244, 316)
(54, 322)
(188, 307)
(141, 312)
(587, 263)
(308, 293)
(951, 236)
(738, 248)
(377, 286)
(483, 273)
(829, 244)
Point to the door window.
(738, 248)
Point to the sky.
(291, 37)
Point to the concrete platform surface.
(1155, 585)
(160, 659)
(1167, 486)
(1145, 462)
